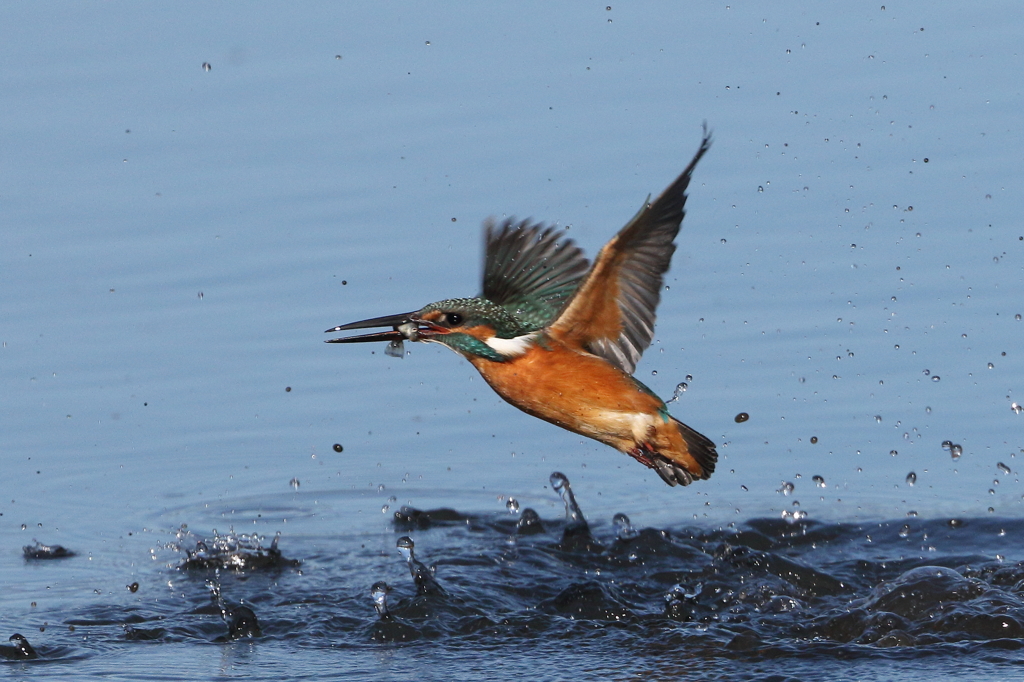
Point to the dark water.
(771, 599)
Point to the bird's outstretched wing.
(613, 311)
(531, 270)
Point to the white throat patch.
(513, 347)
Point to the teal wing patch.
(531, 270)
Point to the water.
(174, 239)
(815, 600)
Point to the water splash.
(421, 574)
(573, 514)
(379, 594)
(20, 649)
(387, 628)
(801, 592)
(793, 516)
(529, 523)
(680, 390)
(240, 619)
(624, 529)
(235, 552)
(576, 534)
(41, 552)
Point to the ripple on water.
(763, 589)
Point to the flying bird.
(559, 338)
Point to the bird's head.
(473, 327)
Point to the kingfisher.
(559, 338)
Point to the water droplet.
(893, 453)
(991, 366)
(385, 508)
(878, 418)
(337, 56)
(911, 478)
(338, 447)
(624, 529)
(206, 66)
(904, 531)
(936, 378)
(395, 349)
(814, 439)
(654, 373)
(294, 483)
(379, 593)
(512, 505)
(1017, 317)
(573, 515)
(380, 488)
(1002, 467)
(787, 488)
(680, 389)
(741, 417)
(793, 516)
(927, 372)
(1017, 408)
(819, 481)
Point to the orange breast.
(579, 392)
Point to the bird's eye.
(453, 319)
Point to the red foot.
(643, 454)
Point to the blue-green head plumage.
(466, 313)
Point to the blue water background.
(174, 240)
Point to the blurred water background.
(191, 194)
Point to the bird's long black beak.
(403, 326)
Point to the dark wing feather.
(612, 313)
(531, 270)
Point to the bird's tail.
(679, 454)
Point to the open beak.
(403, 326)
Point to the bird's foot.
(642, 454)
(670, 472)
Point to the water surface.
(174, 239)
